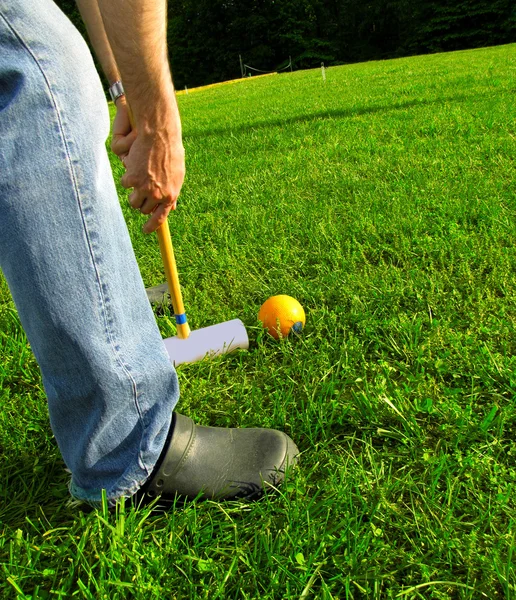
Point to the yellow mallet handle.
(169, 262)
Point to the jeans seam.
(102, 300)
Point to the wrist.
(158, 116)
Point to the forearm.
(92, 18)
(133, 32)
(136, 30)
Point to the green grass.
(384, 201)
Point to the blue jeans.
(68, 260)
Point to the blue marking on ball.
(297, 327)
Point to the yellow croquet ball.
(282, 314)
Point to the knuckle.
(134, 201)
(161, 219)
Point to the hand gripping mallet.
(190, 346)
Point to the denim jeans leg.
(68, 260)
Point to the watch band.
(116, 90)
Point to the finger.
(148, 206)
(159, 216)
(136, 199)
(121, 144)
(127, 181)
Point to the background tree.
(206, 37)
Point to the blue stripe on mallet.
(181, 319)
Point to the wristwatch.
(116, 90)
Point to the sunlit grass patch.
(383, 200)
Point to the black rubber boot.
(220, 463)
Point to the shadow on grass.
(344, 113)
(33, 487)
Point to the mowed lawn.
(384, 200)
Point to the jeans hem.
(94, 497)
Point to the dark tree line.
(206, 37)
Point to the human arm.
(123, 136)
(136, 33)
(136, 30)
(92, 18)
